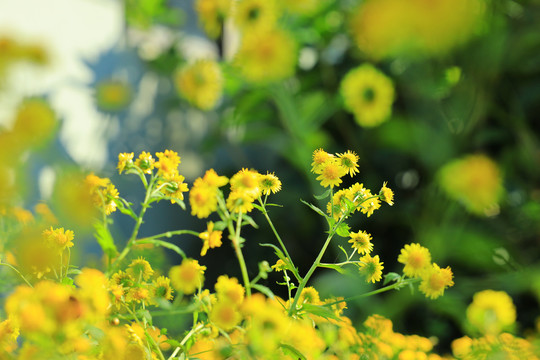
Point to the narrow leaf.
(105, 239)
(338, 268)
(323, 195)
(391, 276)
(165, 244)
(322, 311)
(266, 291)
(290, 350)
(314, 208)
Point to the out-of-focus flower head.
(200, 83)
(212, 15)
(113, 95)
(491, 312)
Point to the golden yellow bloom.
(200, 83)
(188, 276)
(239, 201)
(212, 14)
(266, 56)
(247, 182)
(319, 158)
(414, 28)
(35, 122)
(45, 212)
(125, 161)
(211, 238)
(331, 172)
(9, 333)
(140, 269)
(113, 95)
(371, 268)
(167, 164)
(461, 346)
(174, 187)
(309, 295)
(369, 206)
(435, 280)
(475, 181)
(93, 291)
(58, 238)
(137, 294)
(361, 241)
(491, 312)
(279, 265)
(211, 178)
(225, 315)
(349, 160)
(23, 216)
(368, 94)
(145, 162)
(269, 183)
(386, 195)
(416, 259)
(203, 199)
(250, 15)
(229, 290)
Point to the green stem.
(169, 234)
(265, 213)
(185, 339)
(18, 273)
(240, 256)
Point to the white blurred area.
(70, 31)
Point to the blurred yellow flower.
(251, 15)
(113, 95)
(58, 238)
(368, 94)
(225, 315)
(266, 56)
(211, 238)
(229, 290)
(491, 312)
(416, 259)
(140, 269)
(200, 83)
(240, 201)
(188, 276)
(212, 15)
(414, 28)
(203, 198)
(167, 164)
(475, 181)
(35, 122)
(371, 268)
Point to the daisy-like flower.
(319, 158)
(211, 178)
(491, 312)
(167, 164)
(239, 201)
(368, 94)
(175, 188)
(161, 288)
(228, 289)
(266, 56)
(251, 15)
(309, 295)
(246, 182)
(386, 195)
(140, 269)
(110, 194)
(371, 268)
(123, 279)
(435, 280)
(113, 95)
(211, 238)
(202, 199)
(125, 160)
(145, 162)
(137, 294)
(200, 83)
(361, 241)
(58, 238)
(349, 160)
(225, 315)
(369, 206)
(279, 265)
(338, 203)
(416, 259)
(212, 14)
(269, 183)
(331, 173)
(188, 276)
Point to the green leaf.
(278, 251)
(220, 225)
(266, 291)
(165, 244)
(343, 230)
(338, 268)
(67, 281)
(105, 239)
(314, 208)
(125, 208)
(391, 276)
(322, 311)
(293, 352)
(323, 195)
(248, 219)
(344, 251)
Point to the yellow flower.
(35, 122)
(225, 315)
(203, 199)
(188, 276)
(251, 15)
(137, 294)
(140, 269)
(212, 14)
(200, 83)
(309, 295)
(9, 332)
(174, 187)
(491, 312)
(331, 172)
(211, 178)
(349, 160)
(266, 56)
(371, 268)
(461, 346)
(361, 241)
(125, 161)
(145, 162)
(319, 158)
(211, 238)
(279, 265)
(269, 183)
(113, 95)
(369, 206)
(386, 195)
(412, 28)
(58, 238)
(247, 182)
(239, 201)
(368, 94)
(435, 280)
(474, 180)
(416, 259)
(167, 164)
(229, 290)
